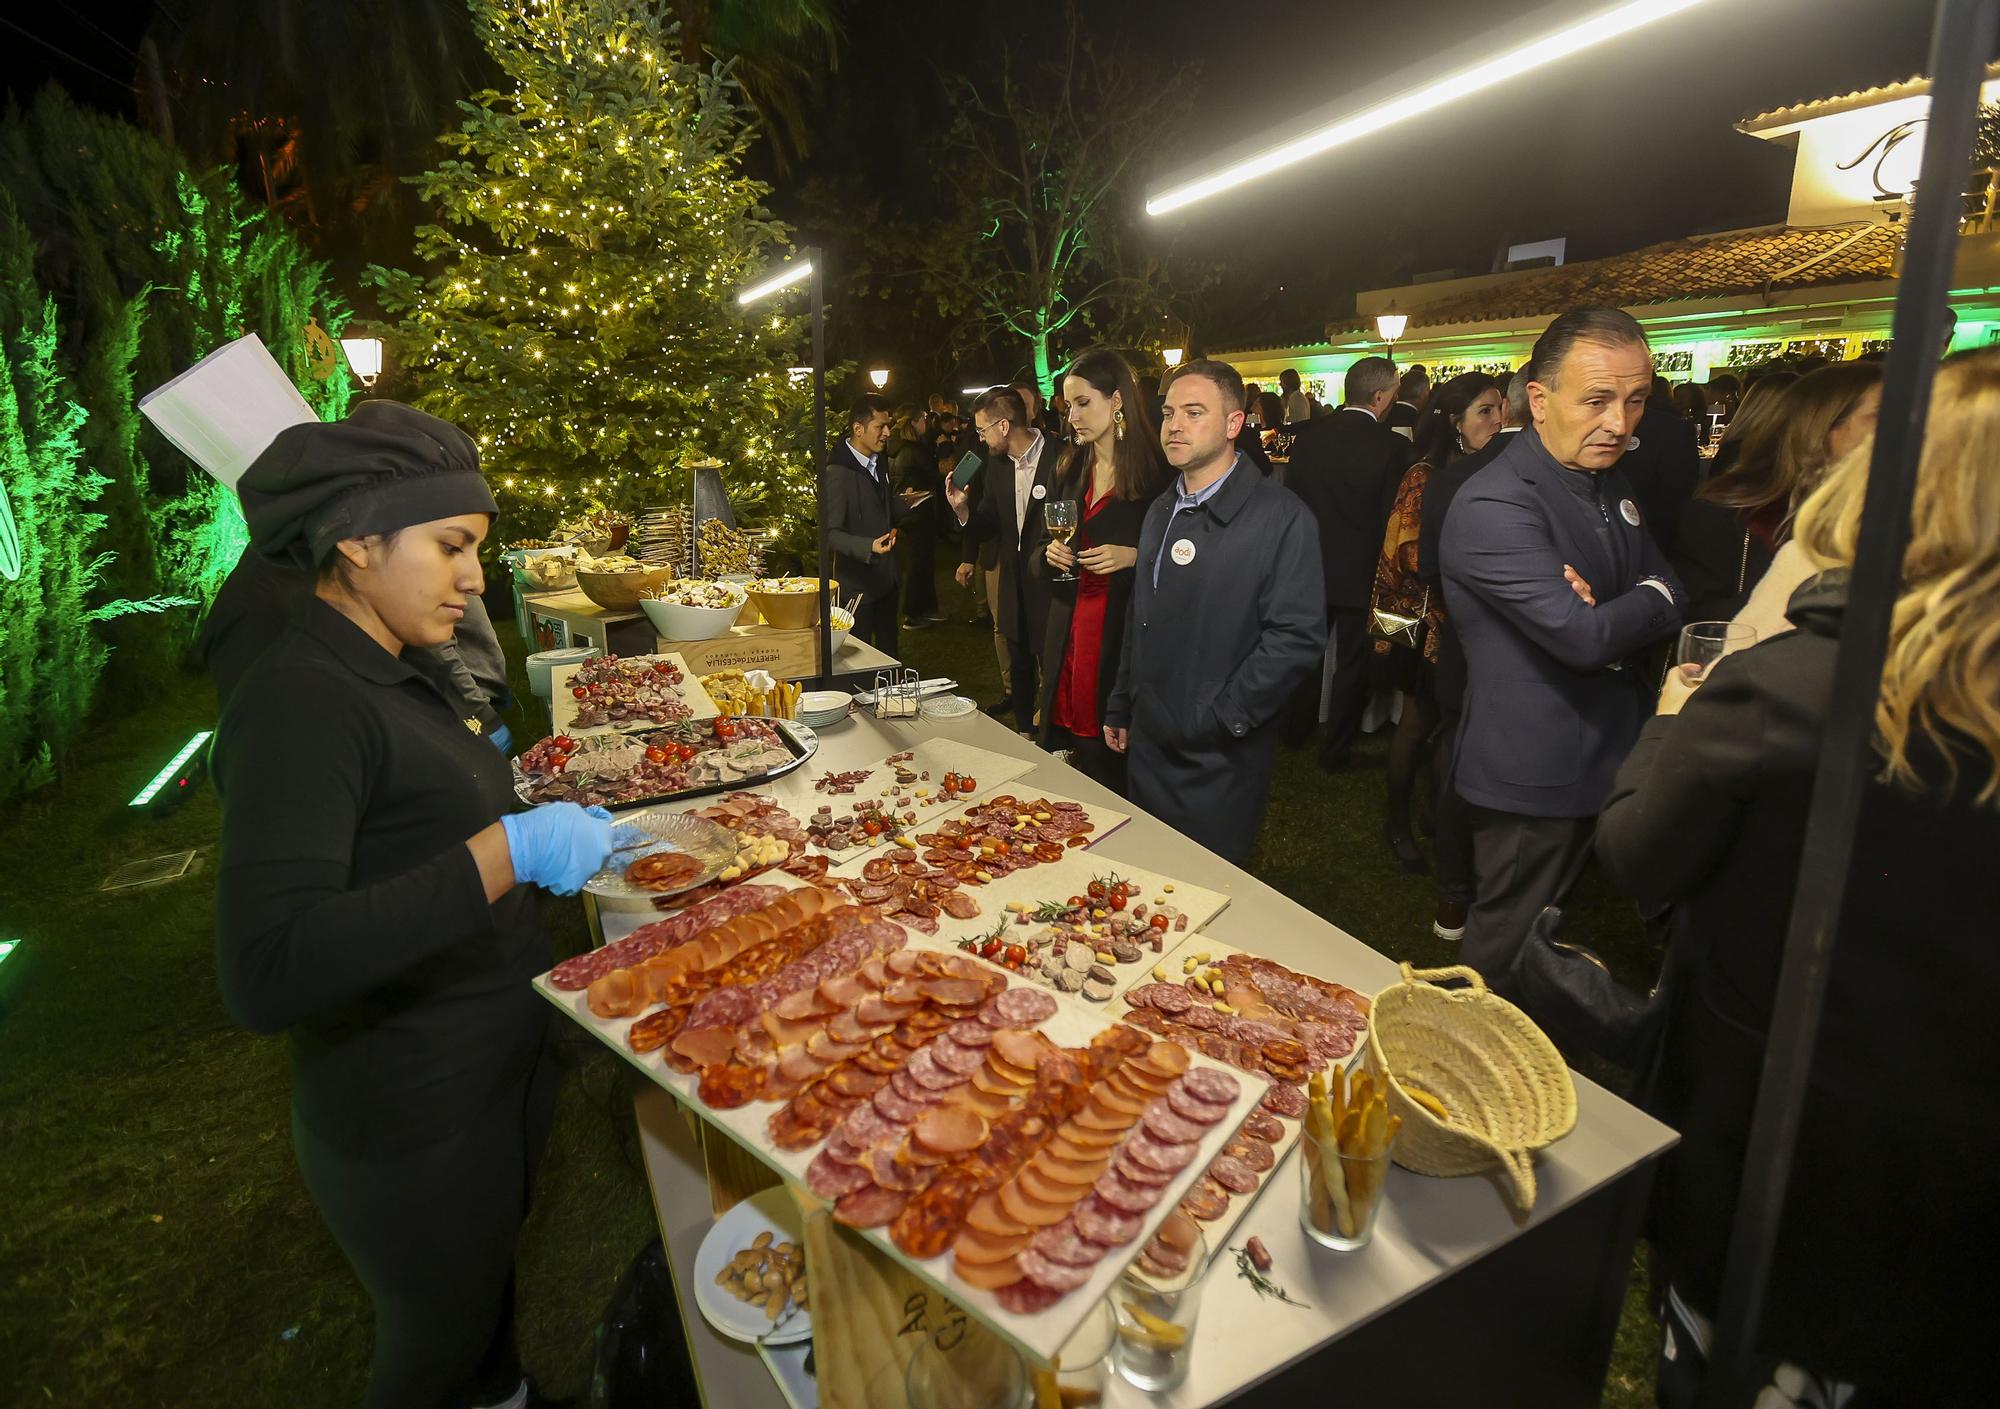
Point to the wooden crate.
(788, 655)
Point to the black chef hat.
(385, 467)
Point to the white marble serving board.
(1040, 1335)
(562, 704)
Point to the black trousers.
(1349, 698)
(1024, 682)
(431, 1235)
(1454, 814)
(875, 621)
(916, 545)
(1093, 758)
(1520, 865)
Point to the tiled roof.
(1715, 266)
(1910, 87)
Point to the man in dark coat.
(1021, 464)
(862, 511)
(1227, 617)
(1554, 589)
(1663, 468)
(1411, 398)
(1346, 467)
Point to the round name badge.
(1182, 552)
(1040, 491)
(1631, 443)
(1630, 511)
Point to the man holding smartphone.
(861, 517)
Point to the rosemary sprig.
(1259, 1283)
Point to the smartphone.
(965, 469)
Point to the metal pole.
(824, 646)
(1962, 39)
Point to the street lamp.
(1171, 356)
(1390, 326)
(364, 356)
(807, 270)
(879, 376)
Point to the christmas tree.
(595, 225)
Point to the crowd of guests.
(1495, 570)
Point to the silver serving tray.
(710, 843)
(798, 738)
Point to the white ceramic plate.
(771, 1211)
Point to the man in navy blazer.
(1555, 590)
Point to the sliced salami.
(1201, 1019)
(1164, 1260)
(1262, 1125)
(1207, 1200)
(1288, 1101)
(1184, 1103)
(1233, 1174)
(1026, 1297)
(928, 924)
(1138, 1173)
(1058, 1277)
(1258, 1154)
(959, 905)
(898, 1108)
(870, 1207)
(1063, 1243)
(1211, 1085)
(878, 868)
(958, 1060)
(1160, 1120)
(1103, 1224)
(932, 1074)
(1125, 1196)
(866, 1126)
(1169, 1157)
(1020, 1007)
(831, 1179)
(970, 1032)
(869, 893)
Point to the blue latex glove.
(502, 739)
(559, 845)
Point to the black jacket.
(860, 508)
(1346, 467)
(1117, 521)
(1024, 571)
(1663, 469)
(1709, 814)
(349, 912)
(1213, 652)
(1554, 693)
(1719, 560)
(1401, 413)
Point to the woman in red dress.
(1113, 473)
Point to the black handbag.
(1570, 992)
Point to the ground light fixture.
(364, 355)
(173, 781)
(7, 947)
(1283, 148)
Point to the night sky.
(1627, 145)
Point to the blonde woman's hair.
(1941, 675)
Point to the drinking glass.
(1156, 1322)
(1325, 1220)
(1060, 516)
(962, 1365)
(1082, 1368)
(1703, 643)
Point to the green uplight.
(174, 766)
(7, 947)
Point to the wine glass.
(1703, 643)
(1060, 516)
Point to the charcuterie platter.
(625, 694)
(853, 813)
(1009, 1145)
(669, 764)
(1262, 1019)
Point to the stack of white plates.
(821, 708)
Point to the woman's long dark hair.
(1437, 434)
(1137, 467)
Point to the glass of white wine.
(1060, 516)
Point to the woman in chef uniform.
(374, 900)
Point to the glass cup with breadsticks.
(1344, 1157)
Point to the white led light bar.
(174, 765)
(783, 279)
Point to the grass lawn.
(158, 1247)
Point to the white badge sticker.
(1630, 511)
(1182, 552)
(1632, 443)
(1041, 491)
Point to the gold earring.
(1118, 421)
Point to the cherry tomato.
(1000, 847)
(1096, 890)
(1017, 954)
(663, 667)
(1076, 902)
(1160, 922)
(966, 785)
(951, 782)
(579, 691)
(656, 755)
(872, 827)
(989, 949)
(558, 764)
(1116, 900)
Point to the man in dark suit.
(1021, 464)
(1346, 467)
(1411, 398)
(861, 515)
(1555, 589)
(1663, 468)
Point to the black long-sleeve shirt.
(350, 912)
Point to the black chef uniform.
(352, 917)
(1228, 616)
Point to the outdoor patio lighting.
(971, 390)
(1171, 356)
(879, 376)
(7, 947)
(1477, 77)
(173, 771)
(786, 276)
(1391, 325)
(364, 355)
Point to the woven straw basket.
(1502, 1080)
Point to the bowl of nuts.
(750, 1272)
(693, 610)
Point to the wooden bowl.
(619, 591)
(792, 611)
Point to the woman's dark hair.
(1692, 403)
(1783, 430)
(1271, 408)
(1437, 433)
(1137, 467)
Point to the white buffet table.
(1454, 1302)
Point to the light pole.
(1390, 326)
(807, 269)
